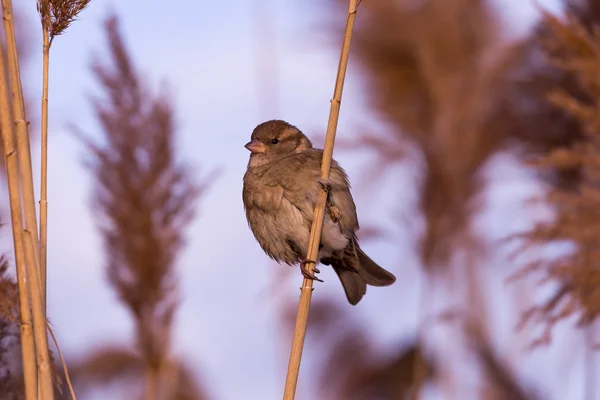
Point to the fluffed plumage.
(281, 187)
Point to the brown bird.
(282, 185)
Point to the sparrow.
(281, 187)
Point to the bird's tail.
(372, 273)
(356, 270)
(354, 286)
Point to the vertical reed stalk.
(317, 224)
(29, 234)
(12, 172)
(44, 168)
(23, 145)
(45, 388)
(56, 17)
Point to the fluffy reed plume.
(56, 16)
(446, 81)
(434, 72)
(575, 49)
(444, 78)
(144, 199)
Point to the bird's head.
(274, 139)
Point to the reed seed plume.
(58, 15)
(144, 198)
(574, 48)
(432, 72)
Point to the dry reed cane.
(45, 388)
(44, 168)
(14, 190)
(23, 145)
(317, 224)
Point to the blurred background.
(153, 269)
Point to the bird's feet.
(306, 273)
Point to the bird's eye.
(275, 141)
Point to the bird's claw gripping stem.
(306, 273)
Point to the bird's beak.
(255, 146)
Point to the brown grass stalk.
(44, 165)
(56, 16)
(23, 145)
(12, 172)
(317, 224)
(45, 388)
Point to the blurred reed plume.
(143, 198)
(448, 81)
(445, 78)
(431, 71)
(574, 48)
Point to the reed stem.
(14, 191)
(21, 125)
(317, 224)
(44, 169)
(29, 233)
(45, 388)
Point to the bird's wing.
(340, 203)
(299, 175)
(267, 197)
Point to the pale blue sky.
(226, 326)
